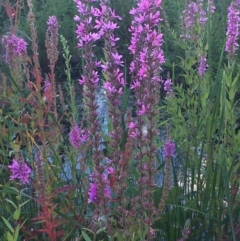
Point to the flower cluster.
(146, 45)
(77, 136)
(48, 92)
(145, 38)
(52, 40)
(202, 66)
(94, 189)
(20, 170)
(232, 30)
(169, 149)
(168, 86)
(211, 7)
(193, 14)
(52, 24)
(15, 47)
(148, 57)
(105, 24)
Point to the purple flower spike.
(169, 148)
(92, 193)
(19, 171)
(232, 30)
(202, 66)
(52, 23)
(15, 47)
(77, 136)
(168, 86)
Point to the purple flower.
(15, 46)
(169, 148)
(135, 84)
(77, 136)
(20, 170)
(94, 189)
(52, 23)
(192, 15)
(168, 86)
(202, 66)
(143, 110)
(109, 87)
(189, 15)
(132, 125)
(107, 192)
(117, 59)
(92, 193)
(232, 30)
(212, 8)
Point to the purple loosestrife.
(114, 85)
(202, 66)
(34, 41)
(148, 57)
(20, 170)
(48, 93)
(87, 34)
(93, 190)
(169, 149)
(192, 15)
(15, 47)
(78, 136)
(52, 53)
(168, 86)
(211, 7)
(232, 30)
(52, 41)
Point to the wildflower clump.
(232, 30)
(202, 66)
(20, 170)
(77, 136)
(15, 47)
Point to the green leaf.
(9, 237)
(9, 201)
(85, 236)
(11, 190)
(16, 214)
(24, 203)
(227, 79)
(16, 233)
(8, 224)
(235, 81)
(231, 93)
(227, 189)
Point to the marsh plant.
(166, 164)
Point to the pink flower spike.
(169, 148)
(92, 193)
(78, 136)
(19, 171)
(168, 86)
